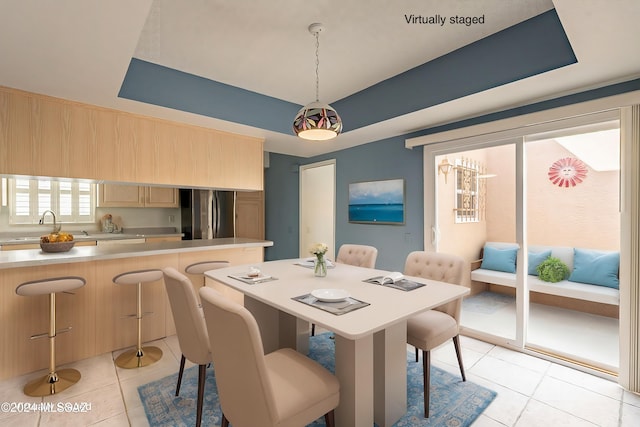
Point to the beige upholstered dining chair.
(432, 328)
(191, 329)
(358, 255)
(282, 388)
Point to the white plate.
(330, 295)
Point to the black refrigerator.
(207, 214)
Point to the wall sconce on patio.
(444, 168)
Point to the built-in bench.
(599, 267)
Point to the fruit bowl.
(57, 247)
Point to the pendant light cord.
(317, 66)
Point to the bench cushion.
(579, 286)
(576, 290)
(563, 288)
(492, 276)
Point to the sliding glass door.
(573, 225)
(543, 194)
(475, 194)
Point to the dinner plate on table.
(330, 295)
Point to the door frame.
(323, 197)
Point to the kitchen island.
(99, 312)
(36, 257)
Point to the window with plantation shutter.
(73, 202)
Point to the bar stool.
(139, 356)
(55, 381)
(198, 268)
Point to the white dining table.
(370, 342)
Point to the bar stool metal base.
(135, 358)
(52, 383)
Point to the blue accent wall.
(154, 84)
(281, 199)
(386, 159)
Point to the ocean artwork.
(378, 202)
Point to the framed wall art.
(377, 202)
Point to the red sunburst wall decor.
(567, 172)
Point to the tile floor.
(568, 333)
(531, 391)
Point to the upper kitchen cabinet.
(121, 153)
(120, 196)
(133, 196)
(44, 136)
(241, 164)
(161, 197)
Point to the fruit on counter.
(56, 237)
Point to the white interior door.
(317, 206)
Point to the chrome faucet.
(56, 227)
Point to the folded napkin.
(256, 278)
(337, 305)
(311, 262)
(338, 308)
(251, 280)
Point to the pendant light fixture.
(317, 121)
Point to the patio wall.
(583, 216)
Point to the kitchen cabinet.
(121, 241)
(98, 312)
(250, 214)
(163, 239)
(161, 197)
(51, 137)
(115, 195)
(135, 196)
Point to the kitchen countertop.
(82, 238)
(36, 257)
(78, 236)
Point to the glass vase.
(320, 268)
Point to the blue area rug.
(453, 402)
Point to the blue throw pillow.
(535, 258)
(596, 268)
(499, 259)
